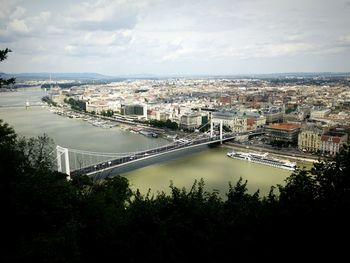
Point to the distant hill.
(303, 74)
(76, 76)
(271, 75)
(59, 76)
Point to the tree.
(50, 101)
(167, 124)
(5, 82)
(78, 105)
(333, 179)
(37, 197)
(300, 191)
(226, 128)
(107, 113)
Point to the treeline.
(49, 101)
(76, 104)
(107, 113)
(164, 124)
(62, 85)
(85, 221)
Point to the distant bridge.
(26, 104)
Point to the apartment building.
(331, 143)
(283, 132)
(309, 138)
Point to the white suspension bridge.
(99, 164)
(27, 104)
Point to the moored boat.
(263, 159)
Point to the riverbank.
(124, 124)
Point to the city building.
(273, 114)
(282, 132)
(309, 138)
(56, 95)
(153, 114)
(134, 110)
(233, 120)
(96, 106)
(331, 143)
(191, 121)
(240, 121)
(255, 119)
(319, 114)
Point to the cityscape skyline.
(176, 37)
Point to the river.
(212, 164)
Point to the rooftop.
(284, 126)
(236, 114)
(328, 138)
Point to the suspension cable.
(125, 154)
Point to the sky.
(174, 37)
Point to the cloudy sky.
(175, 36)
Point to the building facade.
(134, 110)
(332, 143)
(309, 139)
(319, 114)
(233, 120)
(273, 114)
(283, 132)
(190, 121)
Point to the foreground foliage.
(5, 82)
(80, 221)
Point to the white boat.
(263, 159)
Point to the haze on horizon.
(176, 36)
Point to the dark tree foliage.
(63, 85)
(85, 221)
(76, 104)
(107, 113)
(226, 128)
(290, 110)
(49, 101)
(5, 82)
(164, 124)
(3, 54)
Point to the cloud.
(18, 26)
(345, 39)
(107, 38)
(103, 16)
(123, 21)
(284, 49)
(18, 13)
(14, 30)
(8, 8)
(295, 37)
(98, 43)
(181, 35)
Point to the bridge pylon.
(212, 129)
(60, 150)
(220, 131)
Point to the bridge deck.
(112, 164)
